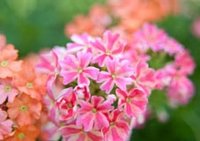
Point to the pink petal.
(101, 120)
(84, 59)
(68, 76)
(107, 85)
(82, 79)
(92, 72)
(103, 76)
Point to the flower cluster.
(21, 93)
(171, 75)
(98, 87)
(92, 88)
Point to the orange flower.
(24, 110)
(8, 65)
(149, 10)
(89, 24)
(30, 82)
(25, 133)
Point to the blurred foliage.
(35, 24)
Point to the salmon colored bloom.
(88, 24)
(75, 133)
(8, 63)
(24, 110)
(25, 133)
(5, 125)
(30, 82)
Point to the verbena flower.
(24, 110)
(77, 67)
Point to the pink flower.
(49, 63)
(92, 115)
(66, 104)
(109, 47)
(172, 47)
(82, 92)
(118, 128)
(149, 37)
(196, 27)
(119, 73)
(134, 101)
(180, 90)
(184, 63)
(144, 77)
(164, 76)
(7, 91)
(5, 125)
(76, 67)
(75, 133)
(80, 43)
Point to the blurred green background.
(35, 24)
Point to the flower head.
(134, 102)
(77, 67)
(118, 72)
(25, 133)
(150, 37)
(118, 128)
(24, 110)
(108, 48)
(92, 114)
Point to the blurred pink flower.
(180, 90)
(92, 115)
(184, 63)
(134, 102)
(196, 27)
(76, 67)
(80, 43)
(144, 77)
(149, 37)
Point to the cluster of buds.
(21, 93)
